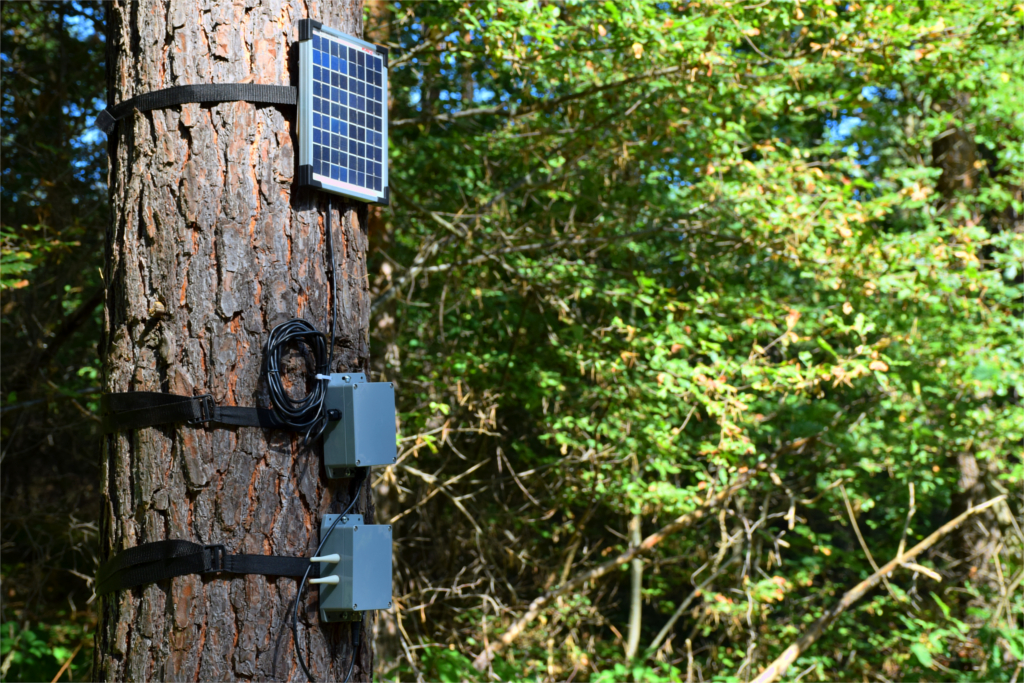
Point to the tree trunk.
(209, 247)
(636, 585)
(955, 151)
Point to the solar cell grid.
(347, 114)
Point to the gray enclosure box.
(365, 435)
(364, 571)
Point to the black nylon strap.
(205, 92)
(152, 562)
(138, 409)
(145, 553)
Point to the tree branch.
(514, 112)
(667, 628)
(426, 252)
(409, 54)
(779, 666)
(648, 544)
(863, 545)
(62, 334)
(51, 399)
(547, 246)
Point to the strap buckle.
(213, 558)
(205, 407)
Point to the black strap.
(138, 409)
(206, 92)
(152, 562)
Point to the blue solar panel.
(343, 115)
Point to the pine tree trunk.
(209, 247)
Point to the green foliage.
(445, 665)
(22, 251)
(53, 214)
(635, 250)
(640, 673)
(638, 249)
(37, 652)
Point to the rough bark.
(209, 247)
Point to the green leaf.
(923, 655)
(826, 346)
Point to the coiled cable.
(307, 413)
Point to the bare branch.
(426, 252)
(440, 487)
(513, 112)
(906, 527)
(779, 666)
(546, 246)
(409, 54)
(863, 545)
(658, 639)
(52, 399)
(648, 544)
(65, 331)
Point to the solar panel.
(343, 114)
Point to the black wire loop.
(304, 414)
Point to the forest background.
(756, 265)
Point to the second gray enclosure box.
(365, 434)
(364, 571)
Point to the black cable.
(304, 414)
(305, 577)
(355, 651)
(332, 276)
(307, 414)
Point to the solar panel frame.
(311, 96)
